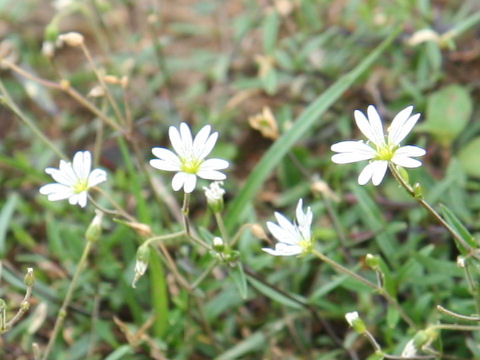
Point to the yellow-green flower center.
(386, 152)
(306, 245)
(190, 166)
(80, 186)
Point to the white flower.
(214, 192)
(73, 179)
(410, 350)
(377, 150)
(189, 160)
(351, 317)
(293, 239)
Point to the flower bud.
(48, 49)
(461, 262)
(418, 191)
(258, 232)
(372, 261)
(218, 244)
(51, 32)
(94, 231)
(73, 39)
(96, 91)
(29, 279)
(214, 194)
(404, 174)
(356, 322)
(143, 257)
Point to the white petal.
(352, 146)
(96, 177)
(281, 234)
(190, 183)
(164, 165)
(299, 212)
(284, 250)
(211, 175)
(380, 168)
(376, 125)
(410, 150)
(286, 225)
(74, 199)
(214, 164)
(62, 177)
(405, 161)
(364, 125)
(176, 141)
(178, 180)
(403, 131)
(347, 158)
(166, 155)
(374, 171)
(304, 220)
(82, 163)
(208, 146)
(56, 191)
(187, 140)
(82, 199)
(397, 123)
(200, 142)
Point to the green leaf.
(273, 294)
(469, 158)
(254, 342)
(270, 32)
(159, 295)
(120, 353)
(5, 217)
(305, 121)
(240, 280)
(448, 112)
(457, 225)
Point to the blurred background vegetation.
(241, 66)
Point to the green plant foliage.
(448, 113)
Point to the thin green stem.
(472, 285)
(171, 265)
(239, 234)
(163, 237)
(432, 212)
(120, 210)
(456, 327)
(64, 85)
(203, 275)
(342, 269)
(185, 211)
(104, 86)
(221, 226)
(7, 100)
(63, 310)
(457, 315)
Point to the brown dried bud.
(72, 39)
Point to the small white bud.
(48, 49)
(217, 241)
(351, 317)
(96, 91)
(461, 262)
(214, 194)
(143, 257)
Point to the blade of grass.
(5, 217)
(304, 122)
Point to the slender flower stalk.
(380, 150)
(189, 161)
(419, 198)
(73, 180)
